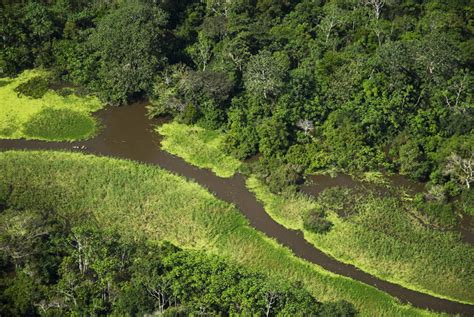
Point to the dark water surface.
(127, 133)
(317, 183)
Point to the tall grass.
(51, 117)
(383, 238)
(140, 200)
(199, 147)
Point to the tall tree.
(127, 43)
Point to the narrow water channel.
(128, 134)
(316, 184)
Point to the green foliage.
(156, 206)
(273, 137)
(191, 96)
(34, 88)
(241, 139)
(99, 272)
(264, 75)
(199, 147)
(338, 309)
(60, 124)
(367, 79)
(397, 240)
(315, 221)
(344, 145)
(51, 116)
(126, 42)
(467, 202)
(27, 31)
(386, 88)
(412, 160)
(279, 177)
(440, 214)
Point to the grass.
(51, 117)
(199, 147)
(384, 237)
(140, 200)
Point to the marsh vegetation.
(139, 202)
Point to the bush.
(315, 221)
(277, 175)
(412, 161)
(4, 82)
(337, 309)
(34, 88)
(189, 115)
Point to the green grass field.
(51, 117)
(140, 200)
(383, 238)
(199, 147)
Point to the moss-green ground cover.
(199, 147)
(51, 117)
(137, 199)
(382, 236)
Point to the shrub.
(34, 88)
(315, 221)
(4, 82)
(340, 308)
(189, 115)
(277, 175)
(9, 125)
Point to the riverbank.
(140, 143)
(381, 235)
(144, 201)
(380, 232)
(199, 147)
(51, 116)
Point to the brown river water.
(315, 184)
(127, 133)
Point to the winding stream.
(129, 134)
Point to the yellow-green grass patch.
(198, 146)
(51, 117)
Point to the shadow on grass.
(60, 124)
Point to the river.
(127, 133)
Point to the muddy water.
(128, 134)
(317, 183)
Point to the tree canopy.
(383, 85)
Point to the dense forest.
(52, 268)
(361, 87)
(343, 85)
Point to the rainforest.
(236, 157)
